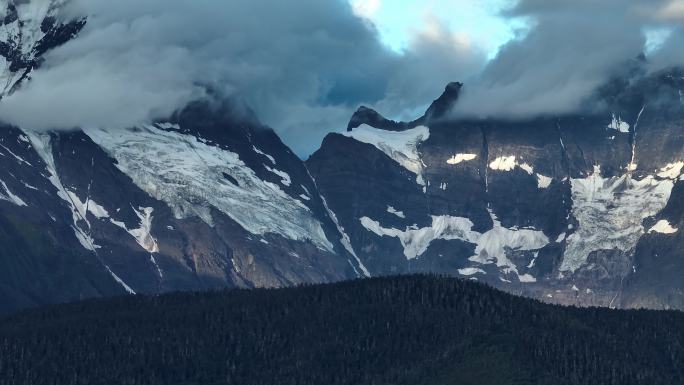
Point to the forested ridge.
(400, 330)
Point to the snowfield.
(189, 176)
(401, 146)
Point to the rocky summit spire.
(369, 116)
(439, 108)
(442, 105)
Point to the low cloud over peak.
(572, 48)
(304, 66)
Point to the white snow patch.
(543, 181)
(508, 163)
(401, 146)
(305, 197)
(527, 168)
(345, 240)
(154, 262)
(561, 237)
(286, 180)
(663, 227)
(143, 234)
(416, 240)
(168, 126)
(235, 265)
(97, 210)
(527, 278)
(272, 159)
(188, 175)
(29, 186)
(503, 163)
(610, 212)
(41, 143)
(396, 212)
(459, 158)
(120, 281)
(618, 124)
(15, 156)
(491, 246)
(9, 197)
(672, 170)
(468, 271)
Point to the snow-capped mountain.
(28, 29)
(582, 209)
(207, 198)
(203, 200)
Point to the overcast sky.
(304, 66)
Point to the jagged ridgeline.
(584, 208)
(404, 330)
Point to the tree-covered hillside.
(404, 330)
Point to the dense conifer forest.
(403, 330)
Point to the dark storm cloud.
(573, 46)
(671, 15)
(303, 65)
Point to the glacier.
(401, 146)
(188, 175)
(610, 212)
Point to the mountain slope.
(205, 200)
(403, 330)
(579, 209)
(576, 209)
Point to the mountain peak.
(438, 109)
(441, 106)
(366, 115)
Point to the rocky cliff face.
(206, 198)
(579, 209)
(197, 202)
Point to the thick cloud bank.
(572, 47)
(304, 66)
